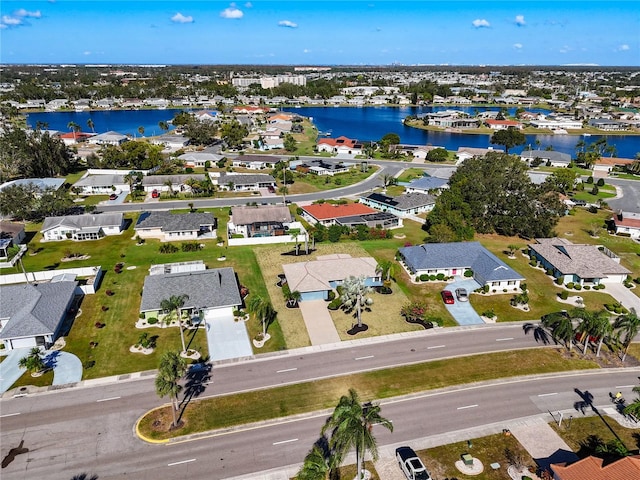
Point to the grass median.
(230, 410)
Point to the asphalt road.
(78, 430)
(630, 200)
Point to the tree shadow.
(196, 379)
(191, 335)
(540, 335)
(85, 476)
(586, 400)
(13, 453)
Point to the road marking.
(547, 394)
(286, 370)
(285, 441)
(468, 406)
(180, 463)
(624, 386)
(107, 399)
(9, 415)
(503, 339)
(363, 358)
(435, 346)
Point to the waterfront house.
(403, 205)
(339, 145)
(73, 138)
(502, 124)
(167, 226)
(171, 140)
(82, 227)
(108, 138)
(548, 157)
(465, 153)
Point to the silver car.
(461, 295)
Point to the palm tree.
(74, 127)
(164, 126)
(387, 180)
(601, 328)
(91, 125)
(584, 326)
(316, 465)
(173, 304)
(561, 328)
(34, 361)
(294, 232)
(351, 426)
(355, 296)
(263, 310)
(141, 130)
(172, 368)
(627, 327)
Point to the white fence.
(113, 171)
(93, 273)
(234, 242)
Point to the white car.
(462, 295)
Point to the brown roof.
(267, 213)
(592, 468)
(627, 219)
(326, 211)
(10, 229)
(614, 161)
(337, 142)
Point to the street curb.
(139, 433)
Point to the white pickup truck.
(411, 465)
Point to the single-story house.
(89, 226)
(454, 259)
(626, 468)
(319, 167)
(328, 213)
(207, 115)
(214, 290)
(73, 138)
(431, 185)
(502, 124)
(179, 183)
(11, 234)
(383, 220)
(272, 143)
(243, 182)
(255, 162)
(171, 140)
(341, 144)
(102, 184)
(315, 279)
(108, 138)
(607, 124)
(167, 226)
(556, 159)
(32, 315)
(199, 159)
(465, 153)
(402, 205)
(627, 223)
(578, 263)
(260, 221)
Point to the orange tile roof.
(76, 135)
(327, 211)
(334, 142)
(614, 161)
(592, 468)
(502, 122)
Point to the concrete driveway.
(463, 312)
(67, 368)
(10, 372)
(624, 295)
(226, 337)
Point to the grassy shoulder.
(230, 410)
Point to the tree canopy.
(509, 138)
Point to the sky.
(328, 32)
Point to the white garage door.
(23, 342)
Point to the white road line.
(435, 346)
(547, 394)
(285, 441)
(9, 415)
(107, 399)
(503, 339)
(180, 463)
(363, 358)
(624, 386)
(286, 370)
(468, 406)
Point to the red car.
(113, 196)
(447, 297)
(155, 194)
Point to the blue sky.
(496, 32)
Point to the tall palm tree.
(173, 304)
(263, 310)
(141, 130)
(584, 319)
(387, 269)
(316, 465)
(634, 407)
(172, 368)
(355, 296)
(562, 329)
(91, 125)
(74, 127)
(601, 328)
(627, 327)
(351, 426)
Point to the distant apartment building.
(270, 82)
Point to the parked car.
(113, 196)
(271, 189)
(410, 464)
(462, 295)
(447, 297)
(155, 194)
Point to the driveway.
(67, 368)
(627, 298)
(463, 312)
(319, 323)
(226, 338)
(10, 372)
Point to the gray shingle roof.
(100, 181)
(213, 288)
(174, 222)
(428, 183)
(546, 155)
(85, 222)
(403, 202)
(485, 265)
(34, 309)
(268, 213)
(39, 183)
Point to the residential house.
(255, 162)
(339, 145)
(73, 138)
(465, 153)
(200, 159)
(167, 226)
(272, 143)
(627, 224)
(503, 124)
(320, 167)
(171, 183)
(594, 468)
(32, 315)
(171, 141)
(244, 182)
(403, 205)
(427, 185)
(250, 110)
(211, 293)
(102, 184)
(263, 224)
(456, 258)
(11, 234)
(604, 165)
(550, 157)
(384, 220)
(578, 263)
(89, 226)
(607, 125)
(207, 116)
(315, 279)
(108, 138)
(328, 213)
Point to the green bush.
(335, 304)
(587, 287)
(533, 262)
(432, 278)
(488, 314)
(417, 279)
(569, 285)
(549, 271)
(424, 277)
(469, 273)
(577, 286)
(590, 180)
(486, 289)
(440, 276)
(600, 182)
(332, 295)
(559, 280)
(141, 315)
(168, 248)
(152, 320)
(564, 295)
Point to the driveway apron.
(624, 295)
(463, 312)
(10, 372)
(67, 368)
(226, 338)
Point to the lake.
(363, 123)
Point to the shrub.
(600, 182)
(549, 271)
(417, 279)
(488, 314)
(569, 285)
(590, 180)
(335, 304)
(424, 277)
(485, 289)
(468, 273)
(592, 209)
(332, 295)
(440, 276)
(141, 315)
(152, 320)
(564, 295)
(432, 278)
(533, 262)
(587, 287)
(595, 190)
(577, 286)
(559, 280)
(190, 246)
(168, 248)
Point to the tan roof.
(315, 275)
(592, 468)
(247, 215)
(586, 261)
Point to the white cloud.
(25, 13)
(481, 23)
(306, 50)
(624, 47)
(517, 46)
(520, 20)
(10, 21)
(287, 23)
(565, 49)
(231, 12)
(180, 18)
(248, 5)
(86, 52)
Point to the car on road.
(462, 295)
(113, 196)
(411, 465)
(447, 297)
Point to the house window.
(511, 282)
(495, 284)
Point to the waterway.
(362, 123)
